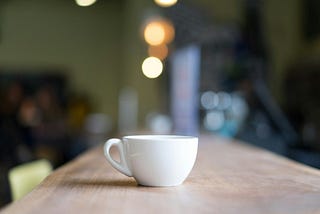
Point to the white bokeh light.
(85, 3)
(225, 100)
(165, 3)
(209, 100)
(152, 67)
(214, 120)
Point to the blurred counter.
(229, 177)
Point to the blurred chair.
(25, 177)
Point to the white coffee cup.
(154, 160)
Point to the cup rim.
(159, 137)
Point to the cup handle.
(122, 166)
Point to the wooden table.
(228, 177)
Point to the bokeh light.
(209, 100)
(165, 3)
(159, 32)
(152, 67)
(225, 100)
(159, 51)
(214, 120)
(168, 30)
(85, 3)
(154, 33)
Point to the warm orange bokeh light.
(159, 32)
(159, 51)
(168, 30)
(154, 33)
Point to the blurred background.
(73, 73)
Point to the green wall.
(86, 42)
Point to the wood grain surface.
(228, 177)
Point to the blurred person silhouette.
(50, 133)
(28, 119)
(10, 129)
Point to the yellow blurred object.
(25, 177)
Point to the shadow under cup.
(155, 160)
